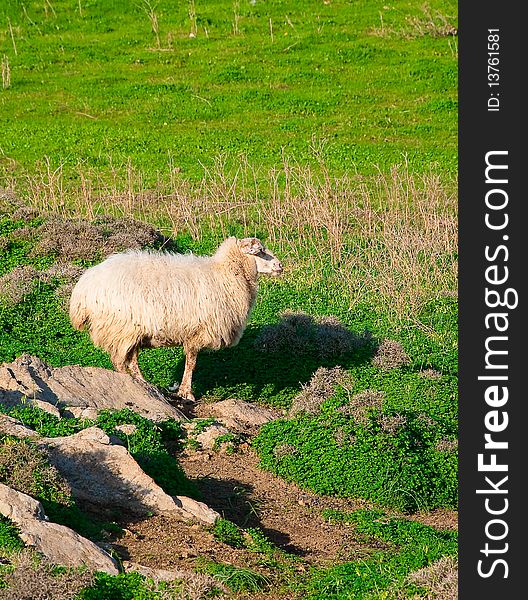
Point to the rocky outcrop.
(59, 544)
(241, 416)
(106, 474)
(80, 391)
(10, 426)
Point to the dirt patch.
(235, 487)
(441, 518)
(241, 492)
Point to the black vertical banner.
(493, 325)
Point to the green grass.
(394, 459)
(9, 538)
(128, 586)
(92, 89)
(412, 546)
(237, 579)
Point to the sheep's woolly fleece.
(144, 299)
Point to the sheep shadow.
(273, 359)
(235, 501)
(10, 399)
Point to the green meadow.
(326, 128)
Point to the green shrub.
(389, 458)
(227, 532)
(9, 538)
(125, 586)
(259, 542)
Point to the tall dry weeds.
(33, 578)
(431, 22)
(6, 73)
(390, 238)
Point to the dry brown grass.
(21, 281)
(361, 404)
(445, 445)
(431, 22)
(440, 579)
(298, 333)
(74, 239)
(389, 238)
(392, 423)
(16, 284)
(27, 470)
(6, 73)
(390, 355)
(186, 586)
(33, 578)
(321, 386)
(430, 374)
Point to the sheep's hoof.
(184, 394)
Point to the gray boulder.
(59, 544)
(80, 391)
(106, 474)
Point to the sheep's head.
(264, 259)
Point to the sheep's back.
(166, 298)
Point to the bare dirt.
(235, 486)
(240, 491)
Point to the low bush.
(393, 458)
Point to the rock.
(60, 544)
(127, 428)
(10, 426)
(24, 381)
(82, 390)
(209, 435)
(88, 413)
(197, 585)
(242, 416)
(106, 474)
(198, 510)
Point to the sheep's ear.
(250, 246)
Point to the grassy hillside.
(326, 128)
(96, 84)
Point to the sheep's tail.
(79, 315)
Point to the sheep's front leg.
(185, 391)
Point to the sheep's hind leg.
(133, 365)
(185, 391)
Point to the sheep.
(148, 299)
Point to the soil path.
(240, 491)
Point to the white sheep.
(147, 299)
